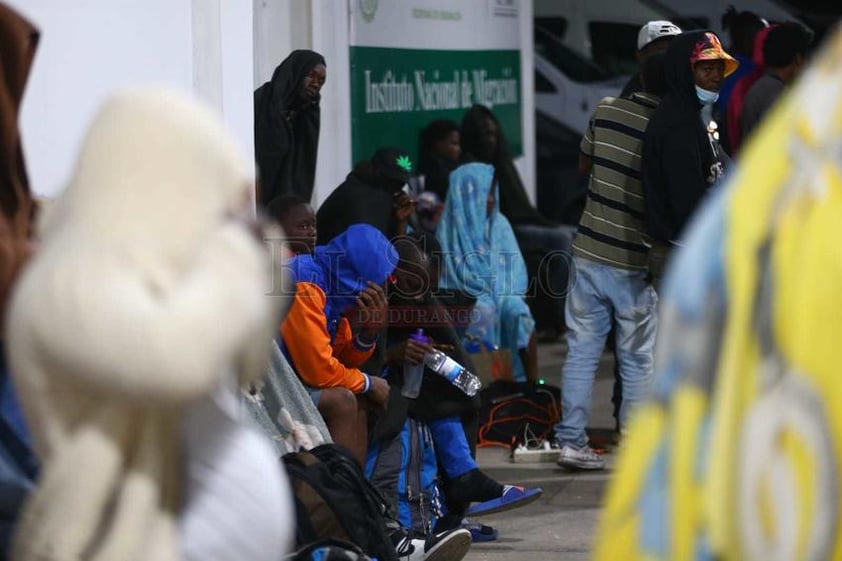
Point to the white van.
(604, 31)
(568, 86)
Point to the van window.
(555, 25)
(542, 84)
(613, 46)
(569, 62)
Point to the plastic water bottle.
(454, 372)
(413, 374)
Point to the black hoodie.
(680, 159)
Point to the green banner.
(396, 92)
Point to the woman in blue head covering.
(480, 257)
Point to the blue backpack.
(405, 471)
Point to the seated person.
(374, 193)
(439, 153)
(546, 246)
(440, 405)
(483, 140)
(298, 219)
(342, 278)
(481, 258)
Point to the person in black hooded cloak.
(286, 126)
(682, 157)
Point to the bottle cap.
(420, 337)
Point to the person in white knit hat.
(128, 333)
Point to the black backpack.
(334, 501)
(511, 409)
(330, 550)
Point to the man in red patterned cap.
(682, 157)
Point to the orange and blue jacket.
(321, 359)
(315, 335)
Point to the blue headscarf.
(343, 267)
(479, 250)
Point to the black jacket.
(286, 148)
(633, 85)
(360, 199)
(680, 159)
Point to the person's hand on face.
(372, 309)
(403, 206)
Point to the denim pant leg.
(588, 315)
(635, 307)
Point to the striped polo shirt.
(611, 228)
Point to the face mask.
(706, 97)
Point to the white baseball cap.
(655, 30)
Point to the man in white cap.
(654, 37)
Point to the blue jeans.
(600, 294)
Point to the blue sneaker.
(512, 497)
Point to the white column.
(280, 27)
(526, 163)
(331, 37)
(207, 52)
(237, 55)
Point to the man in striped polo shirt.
(610, 284)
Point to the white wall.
(237, 50)
(89, 48)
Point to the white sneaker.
(580, 458)
(451, 545)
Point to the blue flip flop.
(480, 532)
(513, 497)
